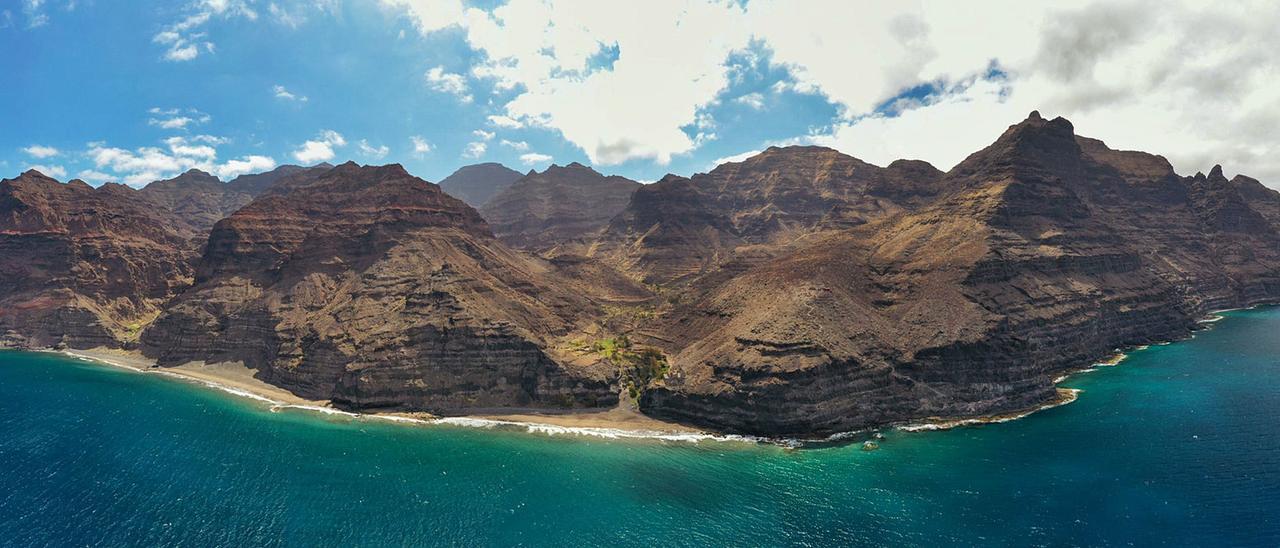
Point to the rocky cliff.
(477, 184)
(83, 266)
(1040, 253)
(197, 199)
(680, 228)
(376, 290)
(559, 209)
(800, 292)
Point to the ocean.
(1176, 445)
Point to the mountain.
(559, 207)
(476, 184)
(1040, 253)
(198, 199)
(801, 292)
(376, 290)
(254, 184)
(83, 266)
(679, 228)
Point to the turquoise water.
(1178, 445)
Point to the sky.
(133, 91)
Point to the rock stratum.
(798, 293)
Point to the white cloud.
(289, 18)
(146, 164)
(281, 93)
(177, 118)
(505, 122)
(377, 153)
(754, 100)
(534, 158)
(36, 17)
(735, 158)
(430, 15)
(420, 145)
(321, 148)
(448, 82)
(41, 151)
(246, 164)
(185, 40)
(483, 135)
(93, 176)
(1190, 80)
(517, 145)
(475, 149)
(57, 172)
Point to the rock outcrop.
(476, 184)
(376, 290)
(83, 267)
(557, 210)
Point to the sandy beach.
(236, 378)
(620, 422)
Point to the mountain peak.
(477, 183)
(1216, 173)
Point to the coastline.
(618, 423)
(238, 380)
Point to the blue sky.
(131, 91)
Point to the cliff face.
(678, 229)
(801, 292)
(81, 266)
(373, 288)
(197, 199)
(558, 209)
(477, 184)
(1042, 252)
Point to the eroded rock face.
(373, 288)
(83, 267)
(562, 208)
(477, 184)
(197, 199)
(800, 292)
(1041, 253)
(679, 228)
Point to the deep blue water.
(1179, 445)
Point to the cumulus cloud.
(534, 158)
(93, 176)
(146, 164)
(281, 93)
(735, 158)
(505, 122)
(475, 149)
(447, 82)
(420, 145)
(57, 172)
(520, 146)
(370, 151)
(40, 151)
(321, 148)
(1189, 80)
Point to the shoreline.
(618, 423)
